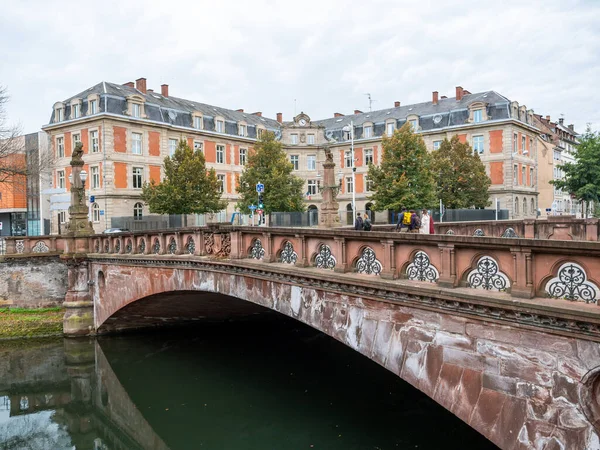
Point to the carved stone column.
(522, 286)
(200, 247)
(342, 263)
(179, 242)
(236, 245)
(447, 277)
(302, 260)
(268, 241)
(388, 271)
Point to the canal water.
(262, 384)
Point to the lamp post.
(350, 131)
(79, 224)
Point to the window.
(312, 187)
(60, 147)
(478, 144)
(294, 138)
(136, 110)
(368, 184)
(310, 139)
(138, 211)
(243, 152)
(515, 174)
(76, 139)
(531, 176)
(413, 124)
(198, 122)
(198, 146)
(75, 111)
(95, 212)
(60, 177)
(172, 146)
(94, 140)
(221, 180)
(259, 132)
(532, 206)
(524, 206)
(294, 161)
(242, 130)
(368, 156)
(516, 205)
(437, 145)
(348, 159)
(59, 115)
(311, 162)
(531, 144)
(136, 143)
(523, 140)
(62, 216)
(95, 175)
(523, 175)
(515, 149)
(220, 154)
(368, 132)
(220, 126)
(477, 115)
(389, 129)
(349, 185)
(137, 177)
(93, 107)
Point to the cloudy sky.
(319, 57)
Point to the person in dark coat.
(358, 223)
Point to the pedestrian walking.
(367, 223)
(415, 222)
(403, 221)
(358, 223)
(425, 221)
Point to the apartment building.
(127, 130)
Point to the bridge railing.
(524, 268)
(13, 245)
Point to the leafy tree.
(460, 175)
(404, 177)
(582, 178)
(268, 164)
(188, 188)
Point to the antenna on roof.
(294, 107)
(370, 101)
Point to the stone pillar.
(591, 229)
(388, 271)
(342, 259)
(529, 229)
(179, 242)
(522, 275)
(448, 266)
(329, 215)
(10, 246)
(236, 245)
(268, 241)
(200, 247)
(302, 260)
(79, 314)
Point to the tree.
(460, 176)
(582, 178)
(269, 165)
(188, 188)
(404, 177)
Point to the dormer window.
(198, 125)
(413, 120)
(478, 115)
(219, 125)
(59, 114)
(367, 131)
(242, 129)
(259, 132)
(477, 112)
(135, 106)
(92, 104)
(136, 110)
(389, 128)
(75, 111)
(413, 124)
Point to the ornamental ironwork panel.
(190, 247)
(324, 259)
(156, 246)
(449, 232)
(225, 245)
(209, 242)
(118, 246)
(479, 232)
(572, 284)
(20, 246)
(128, 246)
(487, 275)
(40, 247)
(421, 269)
(142, 245)
(172, 246)
(257, 251)
(288, 255)
(367, 263)
(510, 233)
(97, 246)
(106, 247)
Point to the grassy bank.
(20, 322)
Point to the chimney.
(396, 104)
(240, 110)
(150, 91)
(257, 113)
(561, 120)
(280, 117)
(571, 127)
(129, 84)
(465, 92)
(444, 96)
(357, 111)
(435, 97)
(548, 118)
(338, 115)
(459, 93)
(164, 90)
(140, 85)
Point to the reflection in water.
(272, 384)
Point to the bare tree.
(13, 163)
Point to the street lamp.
(349, 132)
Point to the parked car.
(115, 230)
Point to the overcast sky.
(319, 57)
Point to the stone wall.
(32, 281)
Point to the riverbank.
(25, 323)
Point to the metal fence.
(461, 215)
(294, 219)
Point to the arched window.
(524, 206)
(516, 206)
(533, 207)
(95, 212)
(137, 211)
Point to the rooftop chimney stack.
(444, 96)
(257, 113)
(459, 93)
(396, 104)
(129, 84)
(280, 117)
(150, 91)
(561, 120)
(572, 127)
(140, 85)
(164, 90)
(240, 110)
(357, 111)
(435, 97)
(338, 115)
(548, 118)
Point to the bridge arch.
(480, 371)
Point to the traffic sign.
(260, 187)
(252, 207)
(92, 199)
(259, 212)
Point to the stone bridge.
(503, 332)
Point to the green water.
(271, 384)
